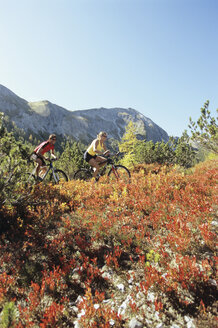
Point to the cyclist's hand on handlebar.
(106, 153)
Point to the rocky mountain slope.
(42, 118)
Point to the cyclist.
(93, 154)
(40, 150)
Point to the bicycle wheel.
(59, 178)
(23, 188)
(119, 173)
(83, 174)
(28, 179)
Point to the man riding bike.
(40, 150)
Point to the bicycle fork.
(56, 177)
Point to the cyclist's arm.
(95, 145)
(53, 154)
(39, 152)
(106, 151)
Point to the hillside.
(42, 118)
(112, 255)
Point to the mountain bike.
(114, 172)
(54, 175)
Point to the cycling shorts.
(35, 156)
(87, 156)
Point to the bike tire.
(24, 188)
(28, 181)
(60, 175)
(119, 173)
(28, 178)
(83, 174)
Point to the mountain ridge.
(43, 117)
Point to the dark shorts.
(34, 157)
(87, 156)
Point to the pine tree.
(185, 154)
(72, 158)
(205, 131)
(13, 162)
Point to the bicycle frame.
(108, 164)
(115, 172)
(50, 167)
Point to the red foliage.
(85, 226)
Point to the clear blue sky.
(159, 57)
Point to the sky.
(159, 57)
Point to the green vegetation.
(71, 158)
(175, 151)
(180, 151)
(9, 315)
(205, 130)
(128, 145)
(14, 155)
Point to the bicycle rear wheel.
(23, 189)
(83, 174)
(27, 182)
(28, 179)
(59, 178)
(119, 173)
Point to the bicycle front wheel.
(58, 177)
(83, 174)
(119, 173)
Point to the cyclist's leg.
(95, 166)
(39, 164)
(101, 162)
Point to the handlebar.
(114, 155)
(51, 159)
(109, 158)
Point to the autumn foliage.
(157, 233)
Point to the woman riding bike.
(94, 152)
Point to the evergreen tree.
(205, 131)
(144, 152)
(160, 152)
(14, 156)
(72, 158)
(185, 155)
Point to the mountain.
(43, 118)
